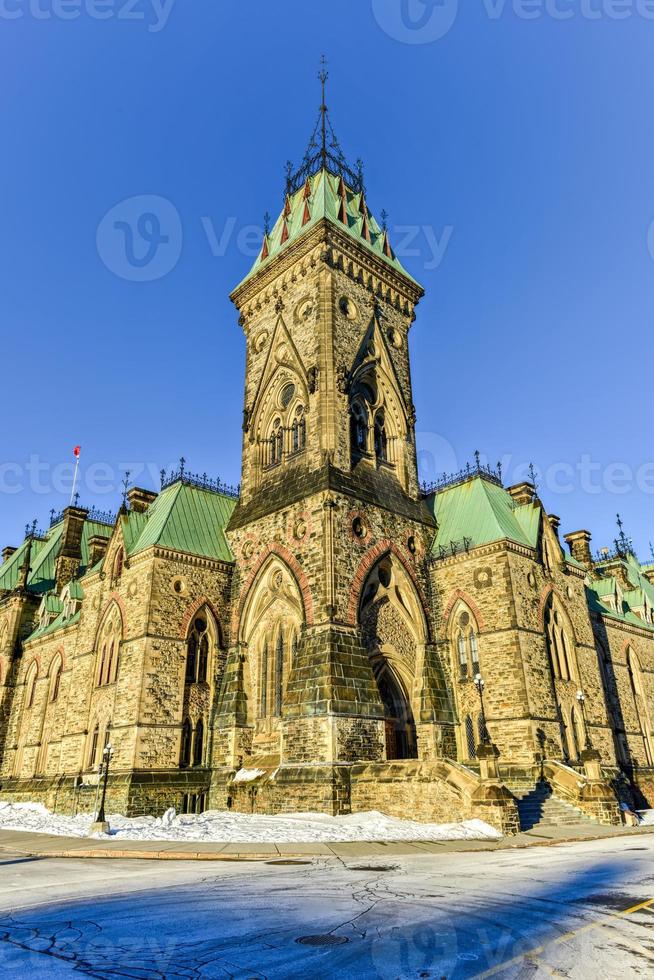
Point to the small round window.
(287, 395)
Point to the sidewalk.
(49, 846)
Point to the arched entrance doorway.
(400, 727)
(393, 631)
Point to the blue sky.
(513, 154)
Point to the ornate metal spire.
(324, 151)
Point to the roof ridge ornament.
(324, 151)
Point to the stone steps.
(537, 806)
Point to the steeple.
(325, 187)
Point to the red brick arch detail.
(194, 608)
(368, 561)
(300, 577)
(461, 596)
(59, 652)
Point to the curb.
(169, 855)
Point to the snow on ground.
(230, 827)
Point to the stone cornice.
(197, 561)
(325, 233)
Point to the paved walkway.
(47, 845)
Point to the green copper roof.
(183, 518)
(43, 558)
(325, 195)
(634, 598)
(482, 512)
(57, 624)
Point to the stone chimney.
(139, 499)
(8, 552)
(555, 523)
(97, 549)
(69, 558)
(522, 493)
(579, 543)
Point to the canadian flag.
(76, 451)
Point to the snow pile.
(227, 827)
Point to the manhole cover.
(288, 862)
(373, 867)
(322, 940)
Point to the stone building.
(333, 636)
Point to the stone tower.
(331, 654)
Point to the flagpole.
(72, 492)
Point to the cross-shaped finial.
(182, 463)
(384, 217)
(126, 485)
(477, 459)
(76, 498)
(532, 476)
(620, 523)
(162, 474)
(266, 223)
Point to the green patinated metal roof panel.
(319, 198)
(483, 512)
(57, 624)
(187, 519)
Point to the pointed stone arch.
(371, 557)
(394, 631)
(193, 609)
(272, 617)
(295, 568)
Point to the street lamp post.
(581, 698)
(481, 685)
(101, 825)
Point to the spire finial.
(266, 223)
(384, 217)
(323, 75)
(126, 487)
(623, 542)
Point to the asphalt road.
(584, 910)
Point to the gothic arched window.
(30, 686)
(55, 679)
(381, 441)
(198, 744)
(470, 737)
(359, 428)
(559, 644)
(640, 703)
(197, 652)
(462, 654)
(466, 643)
(93, 748)
(185, 746)
(109, 647)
